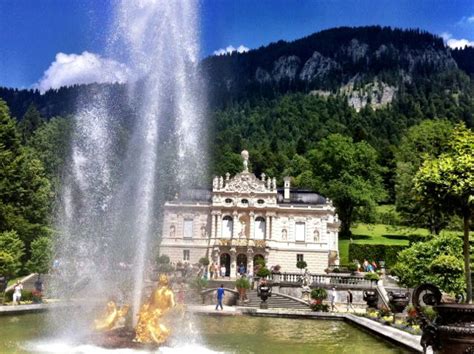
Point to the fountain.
(123, 167)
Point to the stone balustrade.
(345, 281)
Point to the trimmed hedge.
(386, 253)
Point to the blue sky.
(33, 32)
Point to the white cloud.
(456, 43)
(229, 49)
(85, 68)
(465, 21)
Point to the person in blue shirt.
(220, 296)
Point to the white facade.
(245, 217)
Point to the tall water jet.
(124, 164)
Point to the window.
(228, 201)
(188, 228)
(300, 257)
(260, 201)
(244, 201)
(227, 226)
(259, 228)
(186, 255)
(300, 232)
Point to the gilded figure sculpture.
(150, 328)
(110, 317)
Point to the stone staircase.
(275, 301)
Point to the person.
(17, 292)
(250, 277)
(211, 271)
(220, 296)
(223, 270)
(365, 265)
(349, 300)
(241, 269)
(332, 298)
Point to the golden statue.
(149, 329)
(111, 316)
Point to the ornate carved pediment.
(245, 182)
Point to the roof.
(300, 196)
(297, 196)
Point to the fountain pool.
(30, 334)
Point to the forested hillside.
(284, 101)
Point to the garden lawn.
(379, 234)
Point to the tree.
(31, 121)
(349, 174)
(24, 189)
(449, 181)
(436, 261)
(41, 255)
(429, 138)
(12, 250)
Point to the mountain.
(334, 60)
(366, 64)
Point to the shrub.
(259, 262)
(204, 261)
(163, 259)
(319, 307)
(198, 283)
(242, 283)
(26, 295)
(301, 264)
(352, 268)
(386, 253)
(319, 294)
(371, 276)
(263, 272)
(437, 261)
(429, 312)
(336, 270)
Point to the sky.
(48, 43)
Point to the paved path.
(31, 308)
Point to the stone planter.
(371, 298)
(398, 301)
(454, 329)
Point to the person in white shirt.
(332, 298)
(223, 271)
(17, 292)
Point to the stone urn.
(371, 298)
(264, 291)
(452, 331)
(398, 301)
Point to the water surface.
(30, 334)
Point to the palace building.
(243, 218)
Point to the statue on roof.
(245, 157)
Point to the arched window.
(259, 228)
(227, 226)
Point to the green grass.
(380, 234)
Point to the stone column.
(235, 221)
(219, 225)
(213, 225)
(267, 227)
(250, 259)
(252, 225)
(233, 263)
